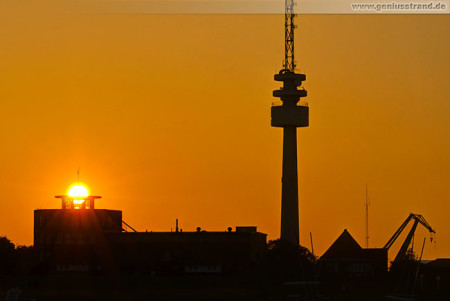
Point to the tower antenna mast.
(289, 26)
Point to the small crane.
(404, 248)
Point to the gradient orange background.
(168, 116)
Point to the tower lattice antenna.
(289, 15)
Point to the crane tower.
(418, 219)
(289, 115)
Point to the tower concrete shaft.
(289, 116)
(289, 188)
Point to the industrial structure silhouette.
(77, 237)
(79, 240)
(289, 116)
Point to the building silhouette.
(345, 259)
(80, 238)
(435, 279)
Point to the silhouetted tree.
(7, 258)
(20, 260)
(290, 261)
(26, 259)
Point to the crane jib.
(417, 219)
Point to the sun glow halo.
(78, 191)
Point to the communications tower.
(289, 115)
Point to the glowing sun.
(78, 191)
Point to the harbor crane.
(404, 248)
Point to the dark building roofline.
(344, 246)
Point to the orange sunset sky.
(168, 116)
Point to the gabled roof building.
(346, 259)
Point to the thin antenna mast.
(367, 203)
(78, 175)
(289, 62)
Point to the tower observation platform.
(290, 113)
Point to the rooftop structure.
(82, 239)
